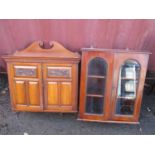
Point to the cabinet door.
(128, 86)
(95, 88)
(66, 93)
(52, 93)
(58, 95)
(33, 93)
(25, 86)
(58, 79)
(20, 92)
(27, 95)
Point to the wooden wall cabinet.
(112, 84)
(44, 80)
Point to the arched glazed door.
(128, 84)
(95, 86)
(127, 88)
(96, 80)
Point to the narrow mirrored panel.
(96, 81)
(127, 87)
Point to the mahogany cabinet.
(112, 84)
(43, 80)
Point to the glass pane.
(94, 105)
(127, 87)
(97, 69)
(130, 69)
(125, 106)
(95, 86)
(97, 66)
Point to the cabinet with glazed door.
(112, 83)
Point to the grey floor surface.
(19, 123)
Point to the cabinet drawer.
(25, 71)
(64, 72)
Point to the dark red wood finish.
(114, 59)
(86, 57)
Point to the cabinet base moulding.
(117, 122)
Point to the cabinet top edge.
(36, 50)
(39, 59)
(115, 50)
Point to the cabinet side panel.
(10, 80)
(66, 91)
(144, 64)
(33, 89)
(52, 93)
(74, 85)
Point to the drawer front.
(64, 72)
(25, 71)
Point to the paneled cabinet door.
(52, 93)
(20, 92)
(66, 93)
(129, 77)
(57, 95)
(26, 86)
(96, 84)
(33, 93)
(27, 95)
(59, 84)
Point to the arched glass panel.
(96, 80)
(127, 87)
